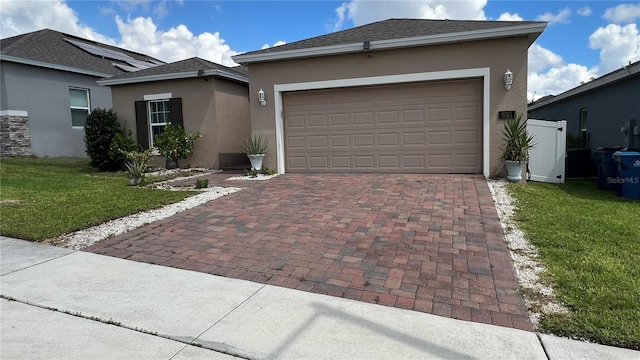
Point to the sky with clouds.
(584, 39)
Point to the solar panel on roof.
(140, 64)
(126, 68)
(100, 51)
(131, 63)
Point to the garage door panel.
(413, 138)
(297, 162)
(468, 137)
(295, 122)
(363, 140)
(317, 120)
(389, 139)
(341, 162)
(413, 116)
(340, 141)
(414, 161)
(440, 137)
(422, 127)
(297, 142)
(363, 118)
(364, 162)
(318, 142)
(389, 161)
(442, 114)
(387, 117)
(343, 119)
(440, 161)
(319, 162)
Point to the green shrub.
(202, 183)
(174, 143)
(100, 130)
(256, 143)
(121, 145)
(255, 172)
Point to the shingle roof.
(180, 69)
(393, 29)
(49, 46)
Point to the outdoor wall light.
(508, 79)
(261, 98)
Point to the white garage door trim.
(485, 73)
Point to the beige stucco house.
(202, 96)
(401, 95)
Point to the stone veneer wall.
(14, 134)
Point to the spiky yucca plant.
(517, 141)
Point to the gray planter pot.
(256, 161)
(135, 181)
(514, 170)
(171, 163)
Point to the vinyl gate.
(547, 157)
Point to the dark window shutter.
(176, 111)
(142, 125)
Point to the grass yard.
(43, 198)
(589, 241)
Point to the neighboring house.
(48, 87)
(401, 95)
(200, 95)
(605, 111)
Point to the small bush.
(100, 130)
(254, 172)
(121, 145)
(202, 183)
(174, 143)
(256, 143)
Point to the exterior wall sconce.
(261, 98)
(508, 79)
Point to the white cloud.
(558, 80)
(560, 17)
(139, 34)
(541, 58)
(618, 45)
(278, 43)
(19, 17)
(507, 16)
(584, 11)
(177, 43)
(624, 13)
(549, 75)
(362, 12)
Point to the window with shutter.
(152, 117)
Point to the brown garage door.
(427, 127)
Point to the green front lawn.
(44, 198)
(589, 240)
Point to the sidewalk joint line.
(120, 325)
(40, 263)
(229, 313)
(544, 348)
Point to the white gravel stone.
(539, 296)
(87, 237)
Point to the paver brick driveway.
(430, 243)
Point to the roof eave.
(625, 72)
(175, 76)
(530, 30)
(53, 66)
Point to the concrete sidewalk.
(60, 304)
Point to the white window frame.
(88, 108)
(152, 124)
